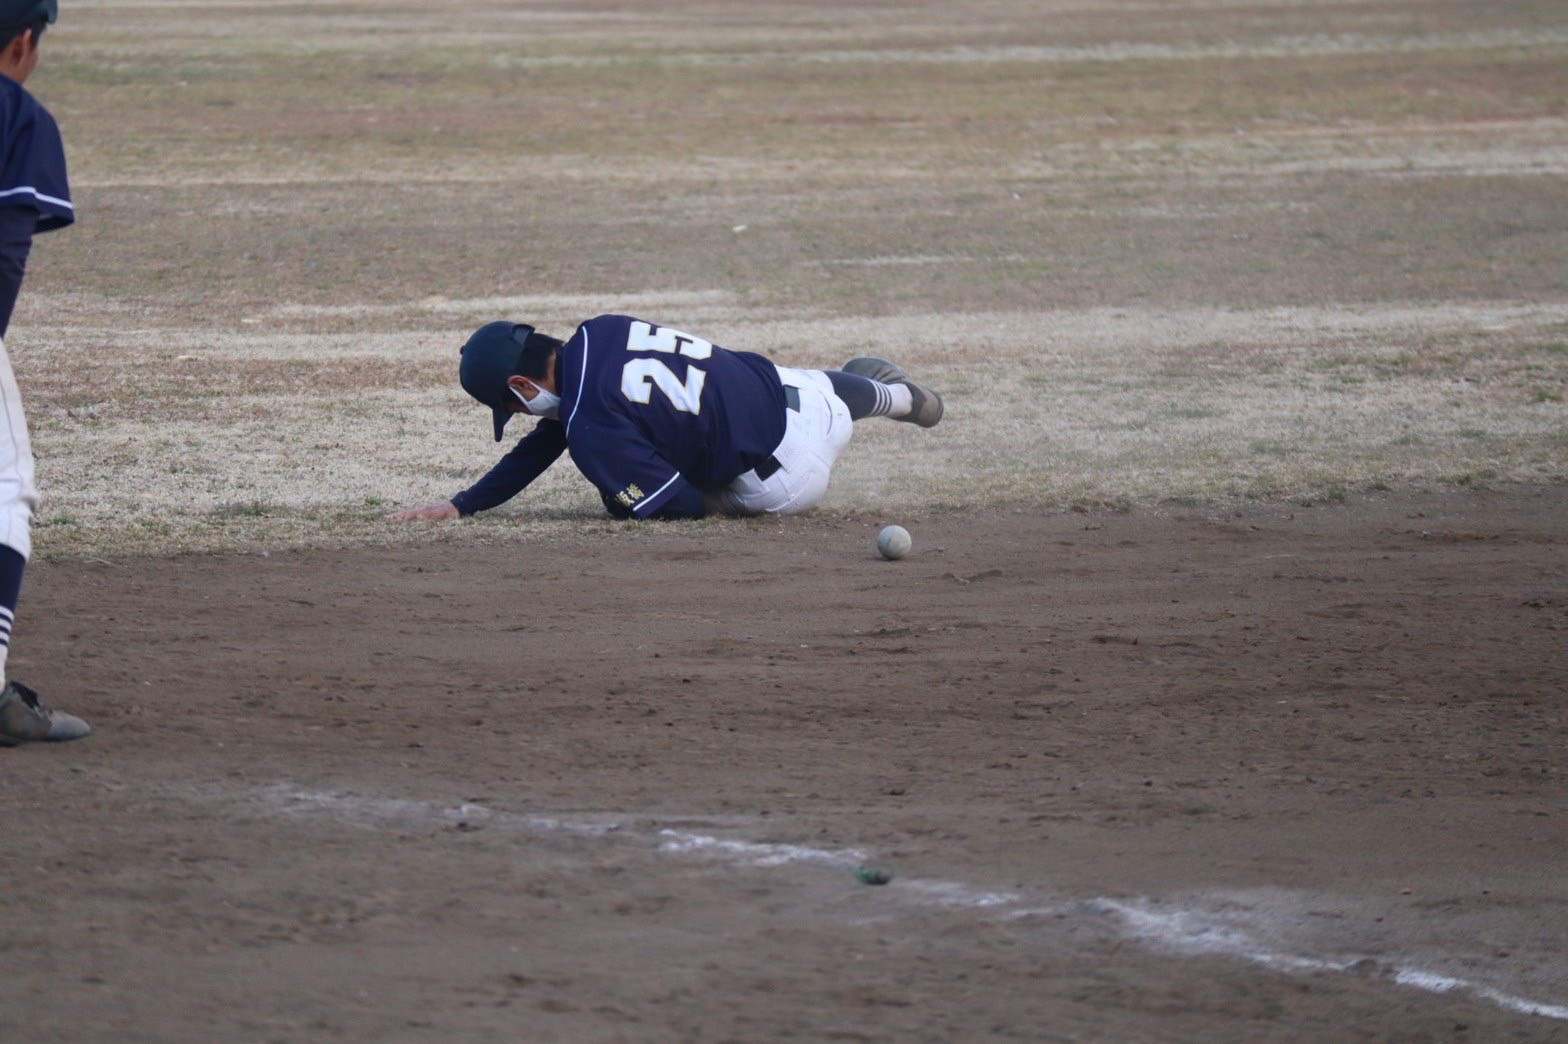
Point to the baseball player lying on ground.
(667, 425)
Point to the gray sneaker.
(23, 719)
(927, 403)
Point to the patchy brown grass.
(1177, 250)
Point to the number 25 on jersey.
(640, 376)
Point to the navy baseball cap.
(492, 356)
(14, 14)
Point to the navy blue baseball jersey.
(34, 194)
(652, 416)
(32, 171)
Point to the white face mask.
(544, 404)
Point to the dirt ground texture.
(1221, 698)
(1166, 774)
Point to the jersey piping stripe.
(655, 494)
(582, 377)
(29, 190)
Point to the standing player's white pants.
(18, 495)
(813, 437)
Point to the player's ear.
(522, 386)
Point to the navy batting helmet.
(19, 14)
(494, 354)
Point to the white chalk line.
(1194, 932)
(1189, 931)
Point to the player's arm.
(16, 242)
(690, 504)
(685, 502)
(633, 479)
(535, 452)
(34, 190)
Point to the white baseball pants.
(18, 494)
(813, 437)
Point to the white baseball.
(893, 542)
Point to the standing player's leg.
(23, 718)
(877, 388)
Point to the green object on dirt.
(872, 875)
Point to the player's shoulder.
(14, 98)
(606, 335)
(18, 108)
(609, 322)
(600, 326)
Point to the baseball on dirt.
(893, 542)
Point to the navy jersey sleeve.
(34, 195)
(32, 168)
(533, 453)
(16, 242)
(627, 469)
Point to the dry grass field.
(1252, 321)
(1154, 250)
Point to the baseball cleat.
(23, 719)
(927, 408)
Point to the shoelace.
(29, 697)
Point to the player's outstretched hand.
(424, 512)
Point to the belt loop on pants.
(792, 397)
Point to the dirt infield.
(1169, 774)
(1221, 699)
